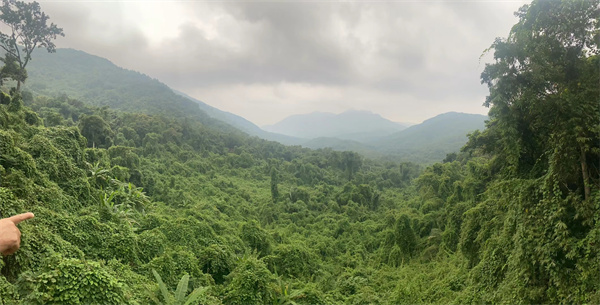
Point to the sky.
(266, 60)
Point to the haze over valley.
(81, 75)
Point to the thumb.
(18, 218)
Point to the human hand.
(10, 236)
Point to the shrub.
(216, 260)
(71, 281)
(250, 283)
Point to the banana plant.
(284, 295)
(180, 297)
(98, 175)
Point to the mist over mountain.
(342, 145)
(350, 125)
(432, 139)
(449, 128)
(242, 124)
(423, 143)
(99, 82)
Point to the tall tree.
(351, 163)
(274, 184)
(96, 130)
(535, 236)
(544, 96)
(28, 30)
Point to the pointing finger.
(11, 250)
(18, 218)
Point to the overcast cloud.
(265, 60)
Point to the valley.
(145, 195)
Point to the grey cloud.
(106, 34)
(296, 42)
(429, 51)
(484, 16)
(272, 51)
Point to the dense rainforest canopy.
(139, 208)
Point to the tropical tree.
(180, 297)
(274, 184)
(96, 130)
(534, 236)
(28, 30)
(11, 69)
(544, 96)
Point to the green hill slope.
(121, 196)
(341, 145)
(427, 142)
(432, 139)
(99, 82)
(242, 124)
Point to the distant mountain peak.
(357, 125)
(358, 111)
(426, 142)
(439, 135)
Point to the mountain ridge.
(98, 81)
(421, 143)
(241, 123)
(349, 125)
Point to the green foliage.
(71, 281)
(433, 139)
(96, 130)
(310, 294)
(180, 297)
(174, 263)
(274, 184)
(524, 240)
(365, 195)
(400, 242)
(216, 260)
(11, 69)
(151, 244)
(250, 283)
(256, 238)
(292, 260)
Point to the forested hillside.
(425, 143)
(99, 82)
(433, 139)
(150, 208)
